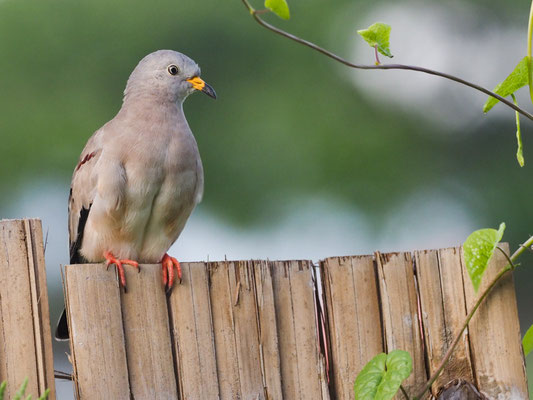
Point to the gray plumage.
(140, 175)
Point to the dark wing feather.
(79, 205)
(75, 245)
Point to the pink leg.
(168, 263)
(111, 259)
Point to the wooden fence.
(255, 329)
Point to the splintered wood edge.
(268, 329)
(30, 250)
(37, 323)
(411, 339)
(72, 356)
(443, 310)
(342, 288)
(40, 308)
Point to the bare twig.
(404, 392)
(62, 375)
(337, 58)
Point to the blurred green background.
(302, 157)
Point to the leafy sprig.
(277, 6)
(379, 379)
(22, 392)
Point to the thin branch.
(404, 392)
(508, 103)
(62, 375)
(526, 245)
(335, 57)
(509, 261)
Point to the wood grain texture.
(443, 308)
(495, 336)
(302, 367)
(26, 346)
(222, 300)
(400, 312)
(97, 345)
(146, 331)
(193, 335)
(236, 330)
(268, 330)
(354, 323)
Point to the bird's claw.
(111, 259)
(168, 263)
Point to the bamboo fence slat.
(494, 333)
(400, 312)
(97, 345)
(146, 326)
(193, 334)
(443, 309)
(352, 302)
(26, 345)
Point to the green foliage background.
(286, 123)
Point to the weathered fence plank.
(224, 329)
(26, 345)
(494, 333)
(145, 318)
(439, 274)
(97, 345)
(302, 368)
(399, 309)
(193, 334)
(268, 330)
(354, 321)
(235, 323)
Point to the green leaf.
(21, 391)
(378, 35)
(45, 395)
(527, 341)
(278, 7)
(516, 79)
(478, 249)
(368, 380)
(400, 361)
(382, 376)
(3, 389)
(519, 150)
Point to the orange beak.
(200, 85)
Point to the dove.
(140, 175)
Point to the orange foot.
(168, 264)
(111, 259)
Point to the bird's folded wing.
(82, 193)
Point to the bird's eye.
(173, 70)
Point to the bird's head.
(167, 75)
